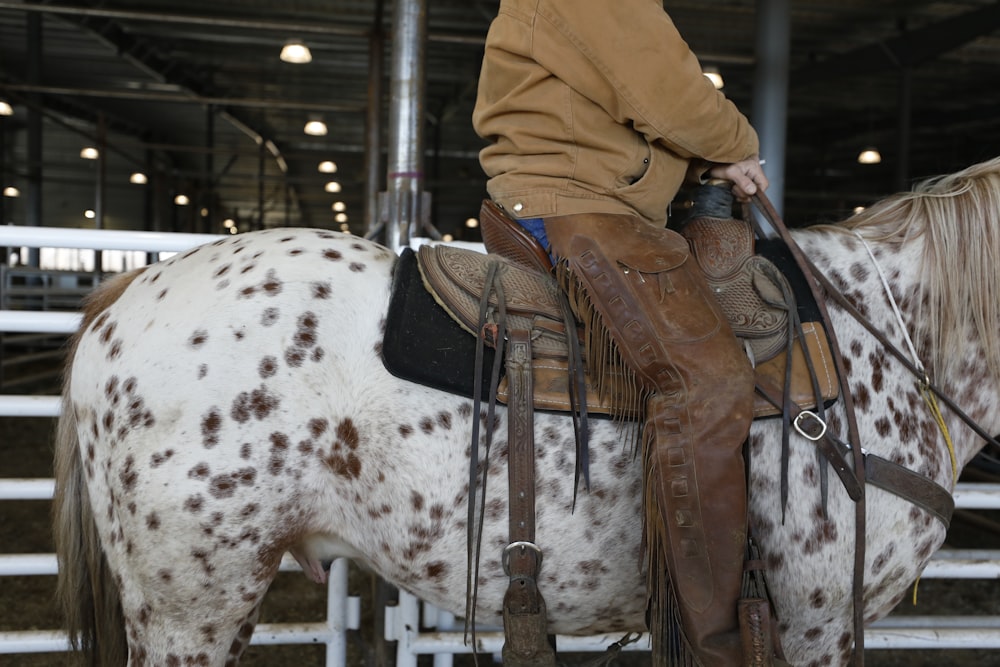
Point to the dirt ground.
(26, 603)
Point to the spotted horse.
(229, 404)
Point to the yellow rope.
(932, 405)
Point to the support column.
(207, 199)
(405, 203)
(770, 94)
(33, 212)
(373, 124)
(904, 128)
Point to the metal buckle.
(801, 430)
(505, 556)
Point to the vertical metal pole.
(207, 188)
(102, 167)
(405, 176)
(101, 188)
(34, 76)
(905, 123)
(770, 95)
(3, 183)
(261, 155)
(373, 123)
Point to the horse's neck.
(881, 385)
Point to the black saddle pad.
(422, 343)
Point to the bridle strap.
(921, 376)
(854, 438)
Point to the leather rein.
(866, 467)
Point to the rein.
(854, 438)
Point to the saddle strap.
(813, 429)
(524, 615)
(913, 487)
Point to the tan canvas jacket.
(597, 106)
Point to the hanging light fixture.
(6, 109)
(294, 51)
(89, 153)
(869, 155)
(315, 127)
(328, 167)
(138, 178)
(182, 200)
(11, 191)
(332, 186)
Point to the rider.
(596, 111)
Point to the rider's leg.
(637, 282)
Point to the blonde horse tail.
(86, 590)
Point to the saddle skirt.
(745, 286)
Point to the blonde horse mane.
(958, 216)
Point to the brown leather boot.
(635, 285)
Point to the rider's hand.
(747, 177)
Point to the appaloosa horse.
(229, 404)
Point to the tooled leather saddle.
(754, 294)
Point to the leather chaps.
(650, 317)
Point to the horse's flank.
(86, 589)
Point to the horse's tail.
(86, 590)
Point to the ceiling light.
(6, 109)
(182, 200)
(233, 230)
(89, 153)
(339, 206)
(332, 186)
(11, 191)
(328, 167)
(295, 52)
(228, 223)
(315, 127)
(340, 217)
(89, 214)
(713, 75)
(858, 209)
(447, 238)
(870, 155)
(471, 223)
(138, 178)
(344, 227)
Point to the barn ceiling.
(192, 93)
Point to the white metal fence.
(418, 628)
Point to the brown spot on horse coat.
(211, 424)
(258, 403)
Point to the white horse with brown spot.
(228, 405)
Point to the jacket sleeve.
(628, 57)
